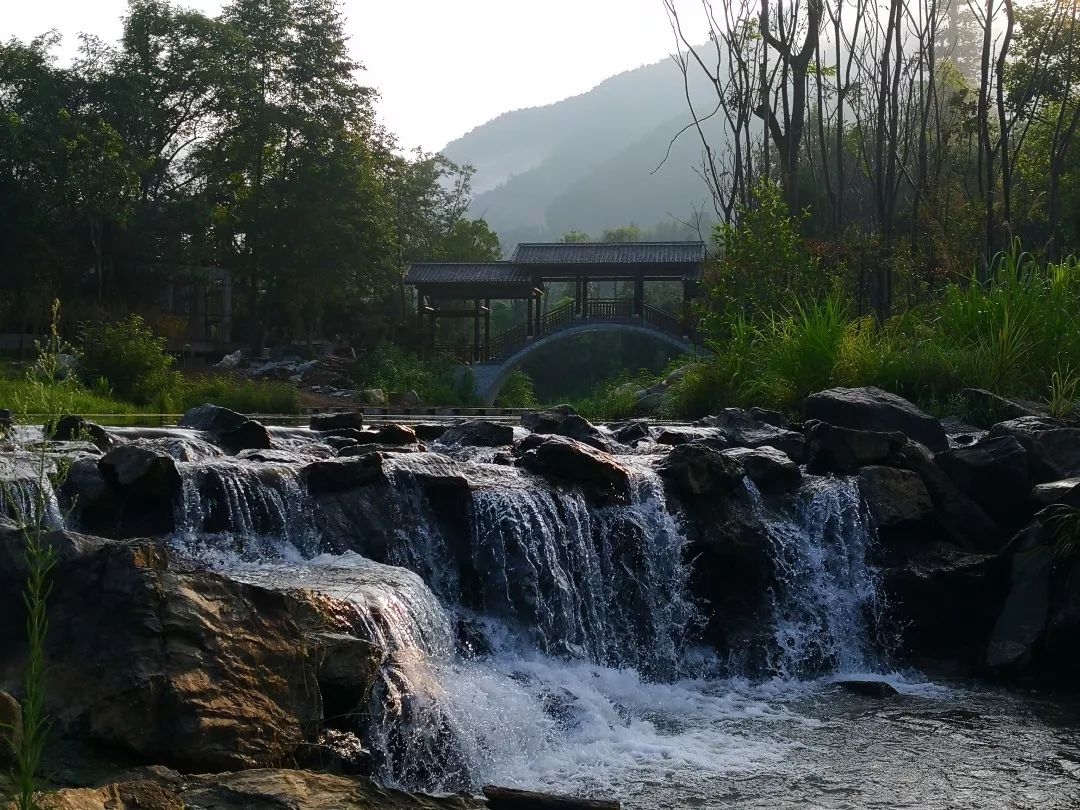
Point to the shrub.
(436, 382)
(132, 359)
(245, 396)
(518, 392)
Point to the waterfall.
(255, 510)
(27, 498)
(826, 604)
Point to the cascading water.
(26, 493)
(827, 605)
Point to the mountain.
(590, 162)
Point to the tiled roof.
(610, 253)
(467, 273)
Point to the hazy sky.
(441, 66)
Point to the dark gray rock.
(987, 408)
(479, 433)
(774, 418)
(872, 409)
(770, 469)
(741, 429)
(674, 437)
(394, 434)
(563, 460)
(895, 497)
(77, 428)
(874, 689)
(144, 484)
(336, 421)
(1053, 448)
(993, 473)
(565, 421)
(698, 470)
(1065, 491)
(842, 450)
(248, 435)
(1023, 617)
(212, 419)
(430, 432)
(632, 433)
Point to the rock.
(1053, 448)
(959, 433)
(874, 689)
(426, 432)
(987, 408)
(248, 435)
(395, 435)
(479, 433)
(649, 402)
(674, 437)
(564, 421)
(677, 375)
(337, 475)
(895, 497)
(871, 409)
(1024, 615)
(143, 484)
(212, 419)
(410, 399)
(695, 470)
(966, 523)
(10, 731)
(500, 798)
(740, 429)
(259, 789)
(354, 450)
(770, 469)
(337, 421)
(994, 474)
(774, 418)
(7, 422)
(632, 432)
(373, 396)
(842, 450)
(172, 665)
(1066, 491)
(346, 670)
(76, 428)
(601, 478)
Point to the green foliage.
(436, 382)
(132, 358)
(517, 392)
(1063, 524)
(245, 396)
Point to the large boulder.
(770, 469)
(993, 473)
(479, 433)
(842, 450)
(1053, 448)
(563, 460)
(565, 421)
(248, 435)
(894, 497)
(875, 410)
(78, 428)
(143, 483)
(1023, 616)
(740, 429)
(170, 664)
(212, 419)
(1065, 491)
(986, 407)
(698, 470)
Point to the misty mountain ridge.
(593, 161)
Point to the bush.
(245, 396)
(518, 392)
(132, 359)
(436, 382)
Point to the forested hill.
(588, 162)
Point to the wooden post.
(476, 330)
(529, 322)
(487, 330)
(585, 297)
(639, 296)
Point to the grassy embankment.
(1018, 336)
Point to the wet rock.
(10, 730)
(895, 497)
(394, 434)
(987, 408)
(1066, 491)
(770, 469)
(774, 418)
(479, 433)
(212, 419)
(355, 450)
(77, 428)
(601, 478)
(337, 475)
(84, 492)
(500, 798)
(143, 484)
(259, 789)
(1053, 448)
(7, 422)
(175, 666)
(337, 752)
(874, 689)
(676, 437)
(695, 470)
(336, 421)
(1024, 615)
(430, 432)
(872, 409)
(994, 474)
(248, 435)
(842, 450)
(565, 421)
(964, 521)
(741, 429)
(346, 669)
(631, 433)
(339, 442)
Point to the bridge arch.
(489, 378)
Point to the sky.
(442, 67)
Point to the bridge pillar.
(487, 331)
(639, 296)
(529, 320)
